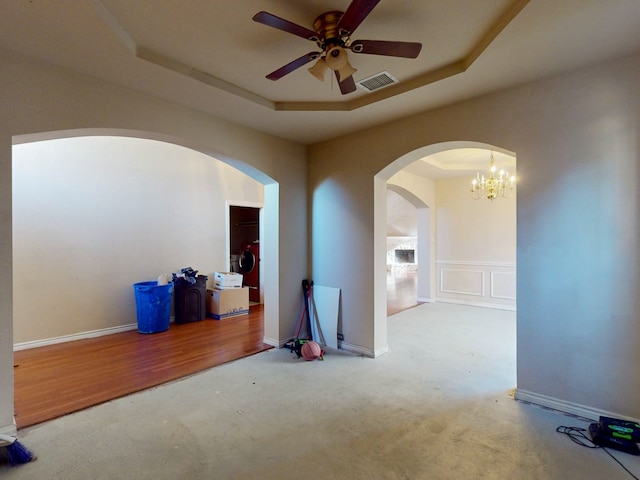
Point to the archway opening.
(408, 249)
(472, 246)
(104, 209)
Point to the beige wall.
(402, 220)
(578, 238)
(94, 215)
(474, 230)
(39, 98)
(421, 192)
(577, 141)
(471, 257)
(476, 247)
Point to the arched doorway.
(104, 212)
(419, 247)
(270, 187)
(381, 181)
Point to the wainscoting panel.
(483, 284)
(464, 282)
(503, 285)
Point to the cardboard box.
(226, 303)
(222, 280)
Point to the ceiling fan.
(332, 33)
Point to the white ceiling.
(461, 162)
(218, 56)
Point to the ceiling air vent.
(379, 80)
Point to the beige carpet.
(437, 406)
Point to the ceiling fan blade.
(291, 66)
(356, 12)
(383, 47)
(285, 25)
(348, 85)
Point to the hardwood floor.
(59, 379)
(402, 291)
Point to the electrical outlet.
(340, 337)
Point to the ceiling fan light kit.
(332, 32)
(319, 69)
(346, 72)
(337, 61)
(336, 58)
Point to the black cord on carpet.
(577, 435)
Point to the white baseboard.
(272, 342)
(342, 346)
(562, 406)
(76, 336)
(425, 300)
(10, 430)
(360, 350)
(495, 306)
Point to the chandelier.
(494, 185)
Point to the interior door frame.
(240, 203)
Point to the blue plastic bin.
(153, 306)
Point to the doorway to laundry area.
(244, 247)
